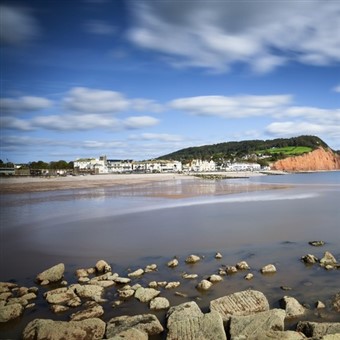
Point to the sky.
(137, 79)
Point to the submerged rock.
(240, 303)
(45, 329)
(147, 323)
(187, 321)
(52, 274)
(316, 243)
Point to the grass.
(288, 150)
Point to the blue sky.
(138, 79)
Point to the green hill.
(250, 150)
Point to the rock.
(162, 283)
(92, 310)
(204, 285)
(159, 303)
(104, 284)
(150, 268)
(52, 274)
(153, 284)
(292, 307)
(192, 259)
(20, 300)
(280, 335)
(249, 276)
(218, 256)
(60, 295)
(136, 286)
(181, 294)
(126, 293)
(10, 312)
(131, 334)
(93, 292)
(286, 288)
(83, 279)
(231, 270)
(45, 329)
(59, 308)
(187, 321)
(328, 259)
(6, 286)
(171, 285)
(30, 305)
(331, 337)
(136, 273)
(146, 323)
(243, 265)
(146, 294)
(44, 283)
(102, 266)
(309, 259)
(222, 272)
(189, 276)
(215, 278)
(5, 296)
(268, 269)
(173, 263)
(316, 243)
(82, 273)
(336, 302)
(240, 303)
(316, 329)
(255, 325)
(320, 305)
(122, 280)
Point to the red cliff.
(320, 159)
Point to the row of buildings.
(102, 165)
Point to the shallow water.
(132, 226)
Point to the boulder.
(93, 292)
(218, 256)
(122, 280)
(187, 321)
(336, 302)
(192, 259)
(136, 273)
(255, 325)
(45, 329)
(150, 268)
(52, 274)
(60, 295)
(131, 334)
(102, 266)
(204, 285)
(231, 270)
(92, 310)
(146, 294)
(328, 259)
(331, 337)
(249, 276)
(243, 265)
(173, 263)
(268, 269)
(10, 312)
(126, 293)
(159, 303)
(318, 329)
(146, 323)
(279, 335)
(309, 259)
(215, 278)
(240, 303)
(292, 307)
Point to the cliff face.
(319, 159)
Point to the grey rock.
(159, 303)
(254, 326)
(52, 274)
(316, 329)
(187, 321)
(292, 307)
(240, 303)
(146, 294)
(45, 329)
(10, 312)
(146, 323)
(92, 310)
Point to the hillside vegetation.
(261, 151)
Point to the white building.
(197, 165)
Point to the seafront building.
(102, 165)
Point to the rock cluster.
(328, 261)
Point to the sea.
(262, 220)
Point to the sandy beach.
(37, 184)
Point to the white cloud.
(232, 107)
(295, 128)
(141, 104)
(139, 122)
(24, 104)
(162, 137)
(12, 123)
(216, 34)
(17, 25)
(93, 144)
(337, 89)
(85, 100)
(100, 27)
